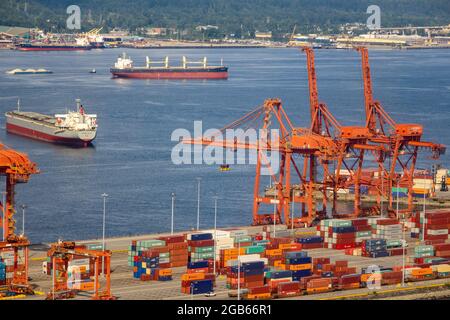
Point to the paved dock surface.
(124, 286)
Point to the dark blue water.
(131, 158)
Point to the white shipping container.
(237, 233)
(437, 232)
(79, 262)
(231, 263)
(278, 227)
(220, 233)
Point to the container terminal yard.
(322, 254)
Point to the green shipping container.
(395, 189)
(242, 239)
(204, 249)
(420, 249)
(423, 254)
(254, 249)
(363, 234)
(207, 255)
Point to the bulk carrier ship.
(74, 128)
(81, 44)
(123, 68)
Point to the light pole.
(239, 269)
(424, 215)
(198, 203)
(4, 218)
(104, 195)
(173, 211)
(215, 232)
(398, 186)
(382, 194)
(292, 215)
(23, 218)
(274, 215)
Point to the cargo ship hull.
(172, 73)
(52, 48)
(41, 127)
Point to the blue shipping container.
(201, 236)
(344, 229)
(198, 264)
(298, 260)
(296, 254)
(315, 239)
(281, 274)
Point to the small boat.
(225, 167)
(93, 71)
(29, 71)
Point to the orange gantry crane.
(61, 253)
(16, 167)
(403, 141)
(293, 144)
(352, 142)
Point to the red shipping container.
(436, 226)
(343, 246)
(344, 236)
(363, 228)
(385, 222)
(436, 237)
(359, 222)
(288, 286)
(259, 290)
(443, 247)
(341, 263)
(201, 243)
(437, 221)
(345, 241)
(442, 253)
(321, 261)
(172, 239)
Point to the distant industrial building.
(8, 35)
(263, 35)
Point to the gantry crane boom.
(290, 141)
(402, 141)
(352, 141)
(17, 168)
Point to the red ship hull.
(37, 135)
(172, 75)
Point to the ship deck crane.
(292, 144)
(403, 141)
(17, 168)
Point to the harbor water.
(131, 157)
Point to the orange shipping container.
(297, 267)
(87, 286)
(274, 252)
(421, 272)
(192, 276)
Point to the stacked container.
(138, 246)
(191, 280)
(388, 229)
(374, 248)
(274, 278)
(251, 275)
(262, 292)
(310, 242)
(200, 246)
(177, 249)
(2, 273)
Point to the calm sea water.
(131, 159)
